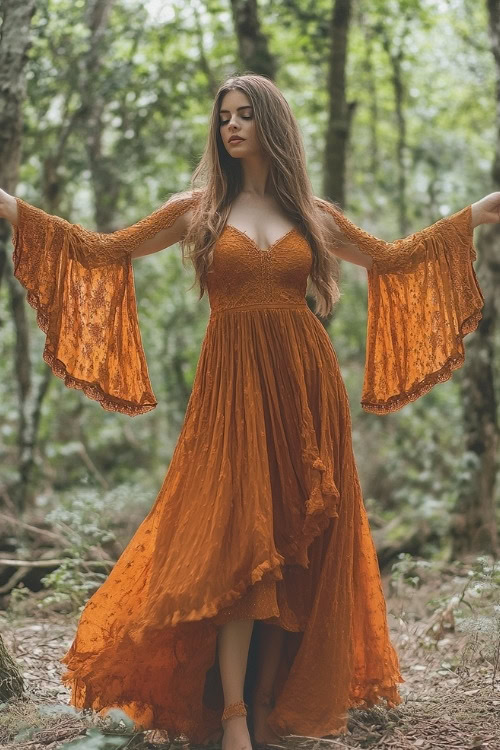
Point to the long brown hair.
(218, 179)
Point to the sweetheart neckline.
(252, 241)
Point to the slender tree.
(14, 43)
(340, 111)
(16, 21)
(474, 519)
(105, 179)
(395, 50)
(369, 67)
(253, 45)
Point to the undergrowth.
(449, 611)
(90, 525)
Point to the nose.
(232, 123)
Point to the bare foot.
(236, 735)
(262, 732)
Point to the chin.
(236, 153)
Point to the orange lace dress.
(260, 514)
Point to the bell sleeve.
(81, 285)
(423, 298)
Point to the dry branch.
(51, 562)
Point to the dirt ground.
(451, 694)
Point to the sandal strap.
(234, 709)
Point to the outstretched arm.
(353, 244)
(344, 248)
(8, 207)
(486, 210)
(164, 227)
(166, 237)
(423, 298)
(82, 288)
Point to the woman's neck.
(255, 175)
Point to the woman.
(254, 577)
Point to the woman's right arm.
(8, 207)
(162, 228)
(82, 287)
(165, 237)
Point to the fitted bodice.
(243, 275)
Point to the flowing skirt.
(260, 516)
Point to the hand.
(487, 210)
(8, 207)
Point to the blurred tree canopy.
(115, 120)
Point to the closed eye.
(245, 117)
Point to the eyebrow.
(226, 111)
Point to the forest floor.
(450, 697)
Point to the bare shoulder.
(326, 214)
(185, 201)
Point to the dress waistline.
(261, 306)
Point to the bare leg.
(270, 648)
(234, 642)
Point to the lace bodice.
(243, 275)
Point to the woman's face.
(237, 125)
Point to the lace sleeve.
(423, 298)
(81, 285)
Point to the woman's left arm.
(357, 246)
(423, 298)
(486, 210)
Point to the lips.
(236, 139)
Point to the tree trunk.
(14, 43)
(11, 681)
(105, 180)
(31, 394)
(205, 63)
(473, 527)
(339, 113)
(253, 45)
(16, 20)
(339, 110)
(396, 57)
(373, 98)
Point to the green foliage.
(90, 521)
(28, 720)
(94, 739)
(468, 603)
(478, 608)
(116, 732)
(70, 584)
(405, 573)
(155, 82)
(86, 518)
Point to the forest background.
(104, 115)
